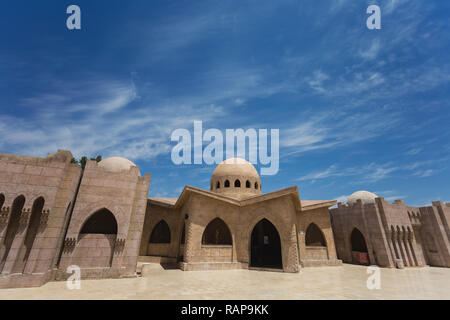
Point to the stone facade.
(234, 205)
(392, 234)
(36, 195)
(55, 215)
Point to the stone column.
(116, 263)
(4, 219)
(292, 258)
(415, 250)
(408, 251)
(398, 254)
(18, 242)
(37, 244)
(188, 242)
(402, 249)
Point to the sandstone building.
(55, 215)
(369, 230)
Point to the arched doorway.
(99, 232)
(265, 248)
(360, 254)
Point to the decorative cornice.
(69, 244)
(119, 245)
(44, 217)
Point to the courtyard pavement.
(344, 282)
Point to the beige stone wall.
(154, 214)
(240, 221)
(395, 234)
(434, 234)
(365, 218)
(124, 194)
(54, 179)
(311, 255)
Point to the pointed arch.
(359, 252)
(13, 226)
(100, 231)
(217, 233)
(256, 185)
(237, 183)
(265, 246)
(218, 185)
(248, 184)
(358, 241)
(160, 233)
(314, 236)
(101, 222)
(227, 183)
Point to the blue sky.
(356, 108)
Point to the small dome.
(237, 178)
(116, 164)
(364, 196)
(235, 167)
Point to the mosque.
(55, 215)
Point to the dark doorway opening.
(265, 246)
(360, 253)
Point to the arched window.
(256, 185)
(217, 233)
(247, 184)
(101, 222)
(227, 183)
(218, 185)
(160, 233)
(2, 200)
(314, 237)
(237, 184)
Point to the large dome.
(237, 178)
(116, 164)
(364, 196)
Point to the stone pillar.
(408, 251)
(398, 255)
(415, 250)
(391, 250)
(119, 245)
(292, 258)
(4, 219)
(188, 242)
(402, 248)
(37, 244)
(18, 242)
